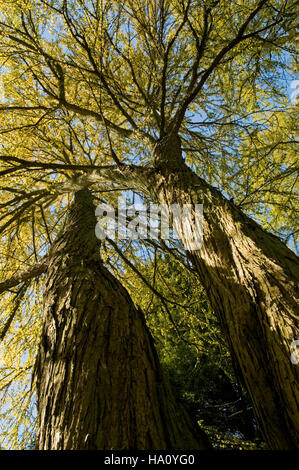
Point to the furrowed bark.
(251, 279)
(99, 381)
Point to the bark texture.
(99, 381)
(251, 279)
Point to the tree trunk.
(99, 381)
(251, 279)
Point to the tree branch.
(179, 116)
(36, 270)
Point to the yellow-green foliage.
(88, 84)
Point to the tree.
(149, 95)
(99, 381)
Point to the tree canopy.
(90, 87)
